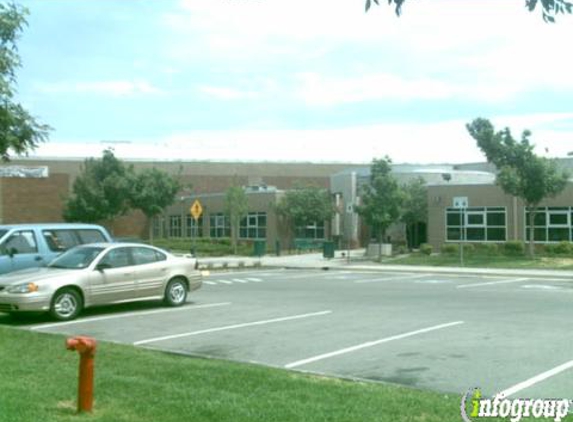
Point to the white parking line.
(128, 314)
(239, 280)
(491, 283)
(377, 280)
(232, 327)
(256, 280)
(370, 344)
(536, 379)
(211, 283)
(224, 281)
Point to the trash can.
(328, 250)
(259, 248)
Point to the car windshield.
(76, 258)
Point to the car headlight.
(23, 288)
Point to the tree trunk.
(150, 222)
(234, 230)
(531, 248)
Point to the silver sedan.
(99, 274)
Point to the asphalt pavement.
(439, 331)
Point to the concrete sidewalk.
(359, 262)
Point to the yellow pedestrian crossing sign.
(196, 209)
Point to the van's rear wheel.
(66, 304)
(176, 292)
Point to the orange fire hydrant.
(86, 347)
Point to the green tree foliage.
(521, 172)
(550, 8)
(236, 208)
(306, 205)
(381, 199)
(102, 191)
(153, 191)
(415, 205)
(19, 131)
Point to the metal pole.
(462, 237)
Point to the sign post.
(196, 210)
(461, 203)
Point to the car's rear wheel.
(176, 292)
(66, 304)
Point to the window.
(174, 226)
(194, 228)
(60, 240)
(312, 231)
(158, 226)
(91, 236)
(117, 258)
(142, 256)
(219, 225)
(551, 224)
(476, 224)
(254, 226)
(22, 242)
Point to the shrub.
(449, 249)
(514, 247)
(469, 248)
(426, 249)
(562, 248)
(487, 248)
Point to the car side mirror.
(102, 266)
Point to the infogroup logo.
(474, 406)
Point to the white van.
(35, 245)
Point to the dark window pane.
(91, 236)
(540, 219)
(453, 219)
(540, 235)
(495, 219)
(475, 219)
(557, 235)
(454, 234)
(495, 234)
(475, 234)
(558, 219)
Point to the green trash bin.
(259, 248)
(328, 250)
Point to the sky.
(297, 80)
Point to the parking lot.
(447, 333)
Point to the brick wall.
(26, 200)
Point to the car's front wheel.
(66, 304)
(176, 292)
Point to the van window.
(91, 236)
(60, 240)
(22, 242)
(2, 233)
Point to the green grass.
(38, 383)
(474, 260)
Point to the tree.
(19, 131)
(550, 8)
(306, 205)
(381, 199)
(152, 192)
(415, 205)
(236, 208)
(521, 172)
(102, 191)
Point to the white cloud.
(225, 93)
(117, 88)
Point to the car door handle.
(38, 258)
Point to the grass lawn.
(38, 383)
(485, 261)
